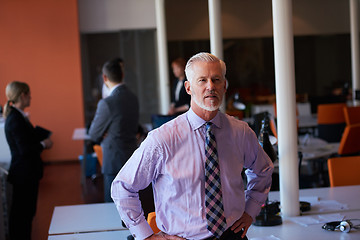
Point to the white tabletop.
(294, 231)
(95, 221)
(85, 218)
(307, 121)
(5, 155)
(314, 148)
(108, 235)
(80, 134)
(348, 195)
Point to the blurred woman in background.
(26, 168)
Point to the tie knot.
(208, 126)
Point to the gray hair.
(203, 57)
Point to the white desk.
(80, 134)
(259, 108)
(313, 148)
(95, 220)
(349, 195)
(85, 218)
(311, 152)
(294, 231)
(5, 159)
(108, 235)
(307, 121)
(5, 155)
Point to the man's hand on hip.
(244, 223)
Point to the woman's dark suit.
(184, 97)
(26, 169)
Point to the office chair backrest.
(331, 113)
(331, 121)
(352, 115)
(151, 219)
(344, 171)
(157, 119)
(350, 142)
(98, 150)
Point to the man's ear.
(187, 87)
(106, 80)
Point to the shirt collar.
(21, 111)
(197, 122)
(113, 88)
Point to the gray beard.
(202, 105)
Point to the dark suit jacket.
(184, 97)
(25, 148)
(117, 116)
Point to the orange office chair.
(332, 113)
(331, 121)
(344, 171)
(98, 151)
(350, 143)
(151, 219)
(352, 115)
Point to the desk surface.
(5, 155)
(108, 235)
(295, 231)
(80, 134)
(99, 221)
(307, 121)
(313, 148)
(349, 195)
(85, 218)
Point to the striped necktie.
(213, 196)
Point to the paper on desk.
(328, 205)
(305, 220)
(311, 199)
(323, 205)
(324, 218)
(272, 237)
(317, 219)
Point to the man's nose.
(210, 84)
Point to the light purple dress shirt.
(172, 157)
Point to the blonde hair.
(13, 92)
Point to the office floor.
(61, 185)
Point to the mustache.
(211, 93)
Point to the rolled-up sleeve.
(135, 175)
(259, 179)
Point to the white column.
(286, 107)
(216, 43)
(164, 86)
(354, 19)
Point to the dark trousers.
(108, 179)
(229, 235)
(23, 209)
